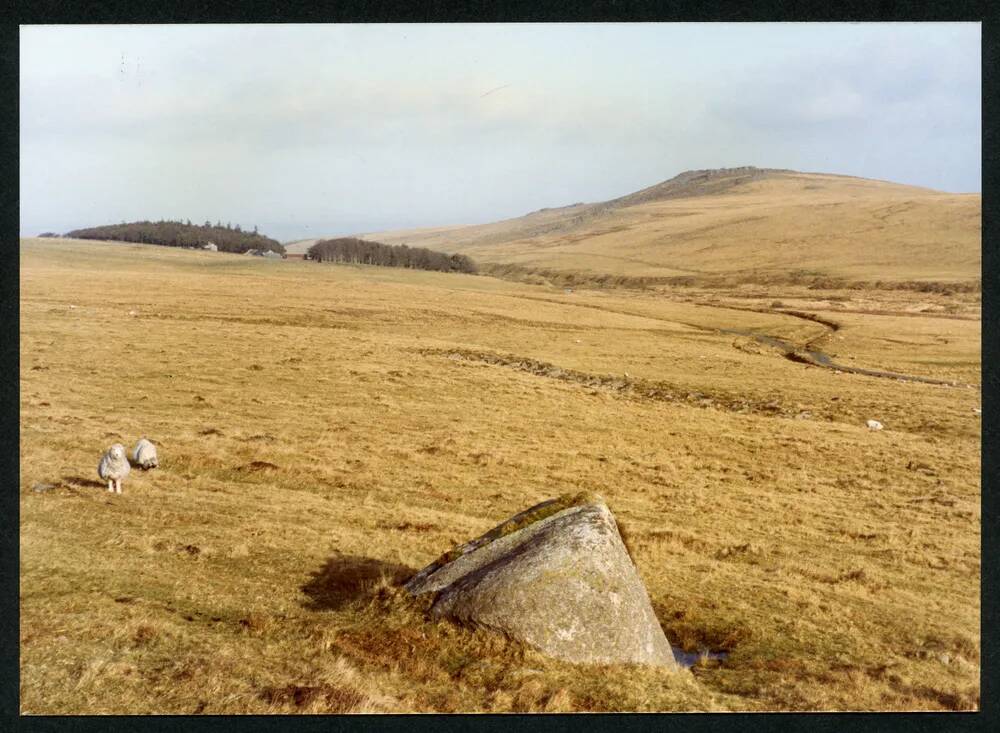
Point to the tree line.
(227, 238)
(362, 252)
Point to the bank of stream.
(810, 354)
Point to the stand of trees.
(182, 234)
(362, 252)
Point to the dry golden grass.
(325, 431)
(810, 224)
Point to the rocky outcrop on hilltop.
(695, 183)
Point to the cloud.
(394, 122)
(837, 103)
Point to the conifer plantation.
(355, 251)
(227, 238)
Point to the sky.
(316, 130)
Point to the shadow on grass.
(696, 631)
(346, 579)
(78, 482)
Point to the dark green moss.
(519, 522)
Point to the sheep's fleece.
(144, 455)
(114, 464)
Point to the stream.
(807, 354)
(689, 659)
(814, 357)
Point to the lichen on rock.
(517, 522)
(556, 576)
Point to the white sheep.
(144, 455)
(114, 467)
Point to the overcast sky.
(309, 130)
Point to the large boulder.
(556, 576)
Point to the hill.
(739, 225)
(299, 246)
(180, 234)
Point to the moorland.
(326, 430)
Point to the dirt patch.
(144, 634)
(408, 526)
(257, 467)
(259, 438)
(190, 550)
(333, 698)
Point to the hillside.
(299, 246)
(742, 224)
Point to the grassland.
(325, 431)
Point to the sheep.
(114, 467)
(144, 455)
